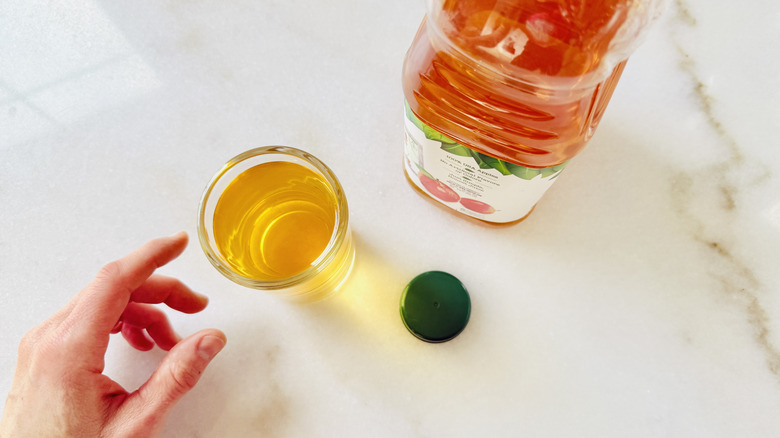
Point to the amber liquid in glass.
(274, 220)
(514, 116)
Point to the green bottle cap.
(435, 306)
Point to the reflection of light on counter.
(367, 299)
(365, 309)
(358, 341)
(63, 61)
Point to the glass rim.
(340, 230)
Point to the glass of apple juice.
(275, 218)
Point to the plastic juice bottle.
(501, 94)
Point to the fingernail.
(178, 235)
(209, 346)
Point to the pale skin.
(59, 389)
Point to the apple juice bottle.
(501, 94)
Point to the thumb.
(176, 375)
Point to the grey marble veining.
(719, 182)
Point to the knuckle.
(110, 270)
(184, 377)
(31, 340)
(40, 347)
(28, 342)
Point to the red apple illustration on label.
(438, 188)
(477, 206)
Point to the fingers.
(99, 305)
(172, 292)
(177, 374)
(138, 320)
(136, 337)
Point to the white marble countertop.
(641, 298)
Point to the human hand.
(59, 388)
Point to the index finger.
(99, 305)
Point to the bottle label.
(468, 181)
